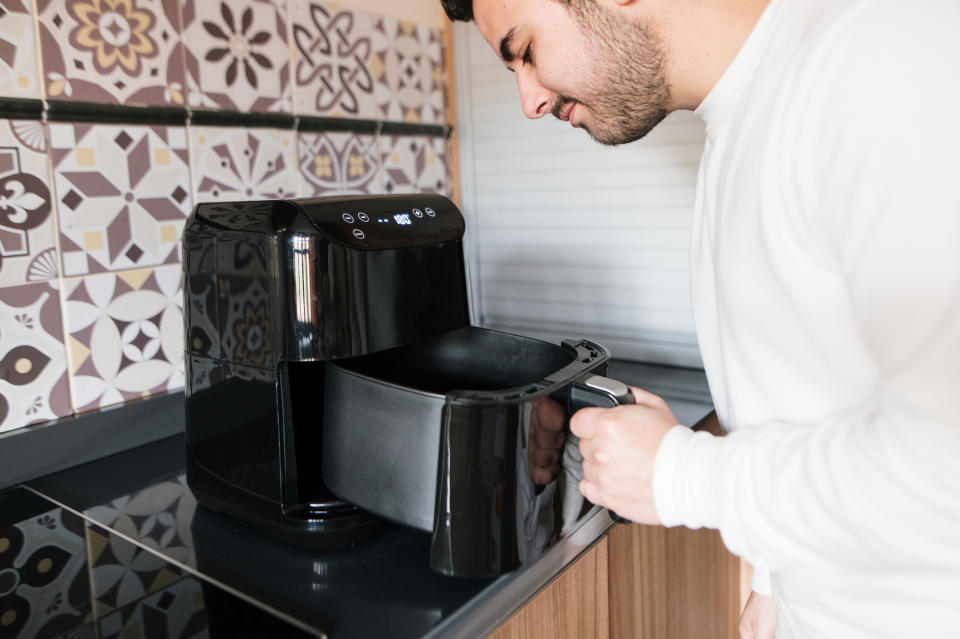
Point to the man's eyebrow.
(505, 43)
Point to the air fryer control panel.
(370, 223)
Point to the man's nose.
(535, 99)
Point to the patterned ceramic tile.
(123, 195)
(332, 50)
(338, 163)
(33, 360)
(114, 51)
(27, 230)
(124, 573)
(44, 577)
(415, 164)
(408, 72)
(237, 55)
(157, 517)
(125, 335)
(243, 164)
(174, 612)
(19, 71)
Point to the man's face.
(584, 63)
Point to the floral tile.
(114, 51)
(124, 335)
(415, 164)
(338, 163)
(27, 230)
(45, 591)
(243, 164)
(237, 54)
(33, 359)
(408, 72)
(19, 72)
(123, 195)
(332, 51)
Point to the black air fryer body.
(272, 290)
(330, 364)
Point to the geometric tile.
(33, 360)
(157, 517)
(112, 51)
(122, 195)
(44, 560)
(242, 164)
(408, 71)
(338, 164)
(27, 226)
(237, 55)
(415, 164)
(124, 335)
(18, 52)
(176, 611)
(332, 51)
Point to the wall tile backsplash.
(27, 229)
(33, 362)
(123, 195)
(113, 51)
(235, 163)
(91, 213)
(237, 55)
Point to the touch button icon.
(357, 233)
(363, 217)
(347, 218)
(430, 212)
(418, 212)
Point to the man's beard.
(631, 94)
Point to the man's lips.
(564, 111)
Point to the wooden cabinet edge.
(639, 582)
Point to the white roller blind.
(568, 238)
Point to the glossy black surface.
(383, 587)
(466, 435)
(274, 288)
(63, 575)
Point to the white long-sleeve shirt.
(826, 282)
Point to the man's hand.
(618, 447)
(759, 618)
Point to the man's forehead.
(495, 18)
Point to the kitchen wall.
(117, 116)
(571, 239)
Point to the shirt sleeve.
(880, 483)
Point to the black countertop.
(139, 499)
(117, 547)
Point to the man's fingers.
(646, 398)
(583, 424)
(589, 491)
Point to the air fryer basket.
(434, 435)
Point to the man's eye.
(527, 56)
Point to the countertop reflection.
(383, 586)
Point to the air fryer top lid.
(365, 222)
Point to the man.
(826, 282)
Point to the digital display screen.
(402, 219)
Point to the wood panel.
(450, 92)
(574, 605)
(667, 583)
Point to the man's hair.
(458, 9)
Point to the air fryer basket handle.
(596, 390)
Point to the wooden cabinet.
(639, 582)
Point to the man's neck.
(702, 40)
